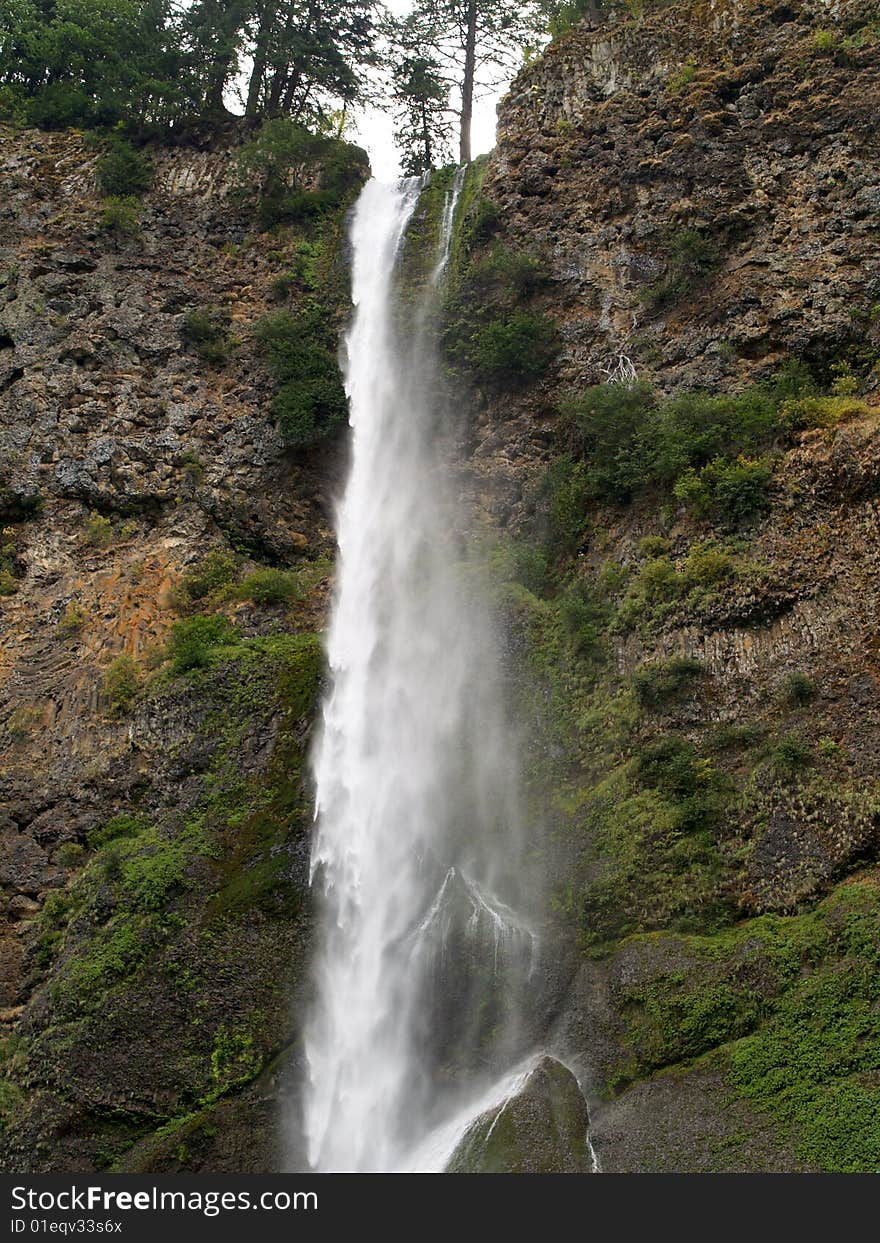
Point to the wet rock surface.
(541, 1129)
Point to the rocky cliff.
(153, 856)
(683, 200)
(697, 188)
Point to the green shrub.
(8, 583)
(791, 754)
(674, 768)
(563, 497)
(72, 620)
(283, 159)
(507, 276)
(121, 216)
(702, 445)
(707, 563)
(98, 530)
(216, 570)
(730, 491)
(122, 681)
(488, 330)
(69, 854)
(601, 427)
(207, 331)
(585, 619)
(270, 586)
(563, 14)
(309, 401)
(692, 257)
(518, 561)
(191, 641)
(799, 689)
(654, 546)
(682, 78)
(513, 350)
(121, 826)
(657, 684)
(123, 171)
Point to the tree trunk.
(217, 85)
(467, 85)
(426, 138)
(261, 59)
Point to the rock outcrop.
(540, 1129)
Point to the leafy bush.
(799, 689)
(310, 401)
(191, 641)
(508, 276)
(700, 445)
(682, 78)
(72, 621)
(121, 216)
(563, 497)
(674, 768)
(585, 619)
(513, 350)
(207, 331)
(487, 330)
(791, 754)
(98, 531)
(281, 161)
(216, 570)
(121, 826)
(517, 561)
(602, 427)
(123, 171)
(657, 684)
(122, 681)
(692, 257)
(270, 587)
(730, 491)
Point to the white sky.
(374, 129)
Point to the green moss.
(216, 570)
(206, 331)
(233, 1060)
(815, 1065)
(309, 401)
(122, 682)
(271, 586)
(659, 683)
(192, 640)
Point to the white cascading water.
(423, 960)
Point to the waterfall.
(426, 944)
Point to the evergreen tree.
(420, 95)
(476, 43)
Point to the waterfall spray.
(424, 952)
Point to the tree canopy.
(153, 65)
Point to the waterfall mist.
(427, 946)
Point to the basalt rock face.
(701, 185)
(748, 125)
(153, 842)
(730, 119)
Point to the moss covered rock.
(541, 1129)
